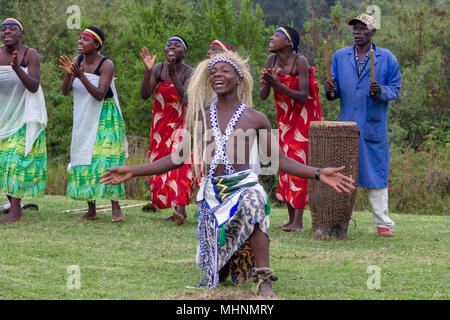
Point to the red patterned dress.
(175, 187)
(293, 129)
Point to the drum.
(332, 144)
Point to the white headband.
(226, 60)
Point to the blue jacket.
(369, 113)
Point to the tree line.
(415, 31)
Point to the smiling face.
(279, 42)
(87, 45)
(11, 35)
(174, 48)
(361, 34)
(224, 78)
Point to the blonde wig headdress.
(199, 93)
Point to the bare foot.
(91, 214)
(117, 216)
(265, 290)
(13, 216)
(284, 225)
(179, 215)
(88, 216)
(297, 222)
(293, 228)
(262, 282)
(14, 213)
(116, 212)
(149, 208)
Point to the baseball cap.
(369, 21)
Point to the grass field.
(148, 258)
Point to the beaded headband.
(226, 60)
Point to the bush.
(419, 183)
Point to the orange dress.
(293, 120)
(175, 187)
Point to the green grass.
(148, 258)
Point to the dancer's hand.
(65, 64)
(147, 58)
(15, 62)
(336, 180)
(116, 175)
(77, 71)
(263, 81)
(171, 58)
(270, 77)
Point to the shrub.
(419, 182)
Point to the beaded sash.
(221, 140)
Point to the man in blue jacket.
(366, 103)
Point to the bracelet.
(317, 174)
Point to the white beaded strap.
(221, 141)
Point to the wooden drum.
(332, 144)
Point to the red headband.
(218, 43)
(90, 36)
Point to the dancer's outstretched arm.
(171, 162)
(330, 176)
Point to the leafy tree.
(415, 31)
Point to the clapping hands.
(269, 77)
(71, 67)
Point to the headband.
(92, 35)
(224, 46)
(17, 23)
(294, 43)
(179, 40)
(226, 60)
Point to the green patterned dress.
(20, 176)
(109, 152)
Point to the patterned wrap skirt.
(20, 176)
(235, 250)
(293, 120)
(109, 152)
(173, 188)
